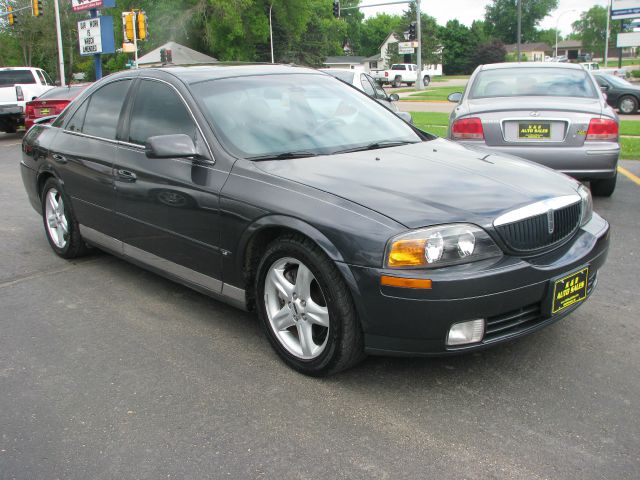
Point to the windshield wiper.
(375, 146)
(283, 156)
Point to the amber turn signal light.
(405, 282)
(407, 253)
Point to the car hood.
(514, 104)
(429, 182)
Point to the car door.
(610, 90)
(378, 92)
(168, 208)
(84, 154)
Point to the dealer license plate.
(44, 111)
(570, 290)
(534, 131)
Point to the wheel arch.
(262, 232)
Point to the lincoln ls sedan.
(280, 190)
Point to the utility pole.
(271, 31)
(60, 51)
(606, 37)
(519, 26)
(419, 84)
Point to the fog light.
(466, 332)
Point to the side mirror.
(394, 97)
(406, 116)
(455, 97)
(170, 146)
(604, 88)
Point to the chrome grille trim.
(535, 209)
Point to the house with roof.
(534, 52)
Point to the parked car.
(346, 229)
(620, 93)
(595, 67)
(51, 102)
(18, 85)
(406, 73)
(550, 113)
(368, 85)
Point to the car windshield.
(618, 82)
(341, 74)
(533, 82)
(62, 93)
(300, 114)
(8, 78)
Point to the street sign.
(631, 39)
(625, 9)
(95, 36)
(406, 47)
(79, 5)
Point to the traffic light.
(129, 26)
(412, 31)
(163, 56)
(142, 25)
(169, 55)
(12, 18)
(336, 8)
(36, 8)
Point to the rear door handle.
(127, 176)
(59, 158)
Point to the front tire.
(628, 105)
(60, 225)
(306, 308)
(605, 187)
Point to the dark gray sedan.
(550, 113)
(280, 190)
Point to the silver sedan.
(550, 113)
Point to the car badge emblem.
(534, 114)
(550, 222)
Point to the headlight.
(587, 204)
(440, 246)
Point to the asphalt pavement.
(110, 372)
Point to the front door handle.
(59, 158)
(127, 176)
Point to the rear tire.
(60, 224)
(605, 187)
(628, 105)
(397, 82)
(306, 308)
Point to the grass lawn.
(436, 123)
(434, 93)
(444, 78)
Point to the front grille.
(531, 234)
(516, 321)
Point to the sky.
(466, 11)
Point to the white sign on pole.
(405, 50)
(90, 36)
(621, 9)
(631, 39)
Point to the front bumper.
(513, 294)
(593, 160)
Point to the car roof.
(506, 65)
(200, 73)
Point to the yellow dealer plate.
(534, 131)
(570, 290)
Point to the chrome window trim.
(92, 137)
(535, 209)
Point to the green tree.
(431, 45)
(592, 28)
(501, 18)
(489, 52)
(458, 46)
(548, 36)
(375, 30)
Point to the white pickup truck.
(406, 73)
(19, 85)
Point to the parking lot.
(109, 371)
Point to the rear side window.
(103, 111)
(8, 78)
(158, 110)
(76, 122)
(366, 86)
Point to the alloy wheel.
(296, 308)
(56, 220)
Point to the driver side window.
(158, 110)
